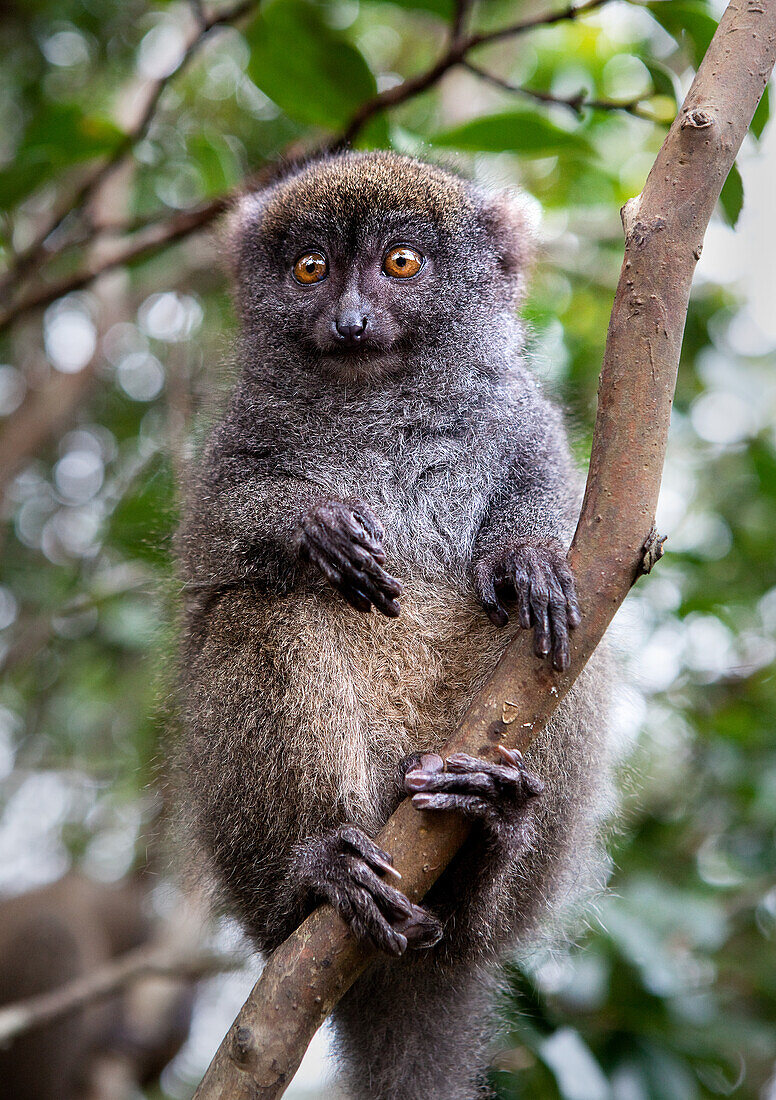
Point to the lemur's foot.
(496, 794)
(344, 867)
(539, 578)
(344, 540)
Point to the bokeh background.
(123, 125)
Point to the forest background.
(123, 127)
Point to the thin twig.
(576, 103)
(114, 976)
(157, 236)
(455, 53)
(103, 171)
(460, 15)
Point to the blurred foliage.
(670, 995)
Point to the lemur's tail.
(416, 1028)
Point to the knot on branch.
(698, 118)
(640, 233)
(651, 552)
(244, 1051)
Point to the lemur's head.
(362, 259)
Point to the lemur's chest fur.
(425, 494)
(356, 693)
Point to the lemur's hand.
(346, 868)
(344, 540)
(498, 795)
(539, 578)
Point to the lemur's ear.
(238, 226)
(510, 223)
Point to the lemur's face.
(363, 259)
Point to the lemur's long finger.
(359, 910)
(541, 617)
(353, 561)
(372, 853)
(367, 562)
(354, 597)
(479, 783)
(559, 625)
(469, 805)
(510, 773)
(393, 903)
(385, 604)
(354, 585)
(569, 589)
(522, 584)
(486, 593)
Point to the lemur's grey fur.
(417, 471)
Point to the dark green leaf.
(732, 197)
(762, 114)
(689, 21)
(526, 132)
(442, 8)
(59, 136)
(308, 69)
(218, 165)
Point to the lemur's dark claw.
(538, 578)
(344, 867)
(344, 540)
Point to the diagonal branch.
(459, 47)
(614, 542)
(154, 92)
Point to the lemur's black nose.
(350, 328)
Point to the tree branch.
(614, 542)
(111, 978)
(154, 91)
(576, 103)
(147, 242)
(457, 50)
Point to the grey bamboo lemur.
(386, 483)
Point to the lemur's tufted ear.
(238, 227)
(510, 223)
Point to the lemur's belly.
(379, 688)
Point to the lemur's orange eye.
(402, 262)
(311, 268)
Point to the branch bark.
(614, 543)
(112, 978)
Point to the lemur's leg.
(346, 868)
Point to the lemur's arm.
(269, 530)
(520, 551)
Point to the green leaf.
(61, 135)
(732, 197)
(521, 131)
(686, 20)
(443, 8)
(664, 81)
(69, 134)
(217, 163)
(308, 69)
(762, 114)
